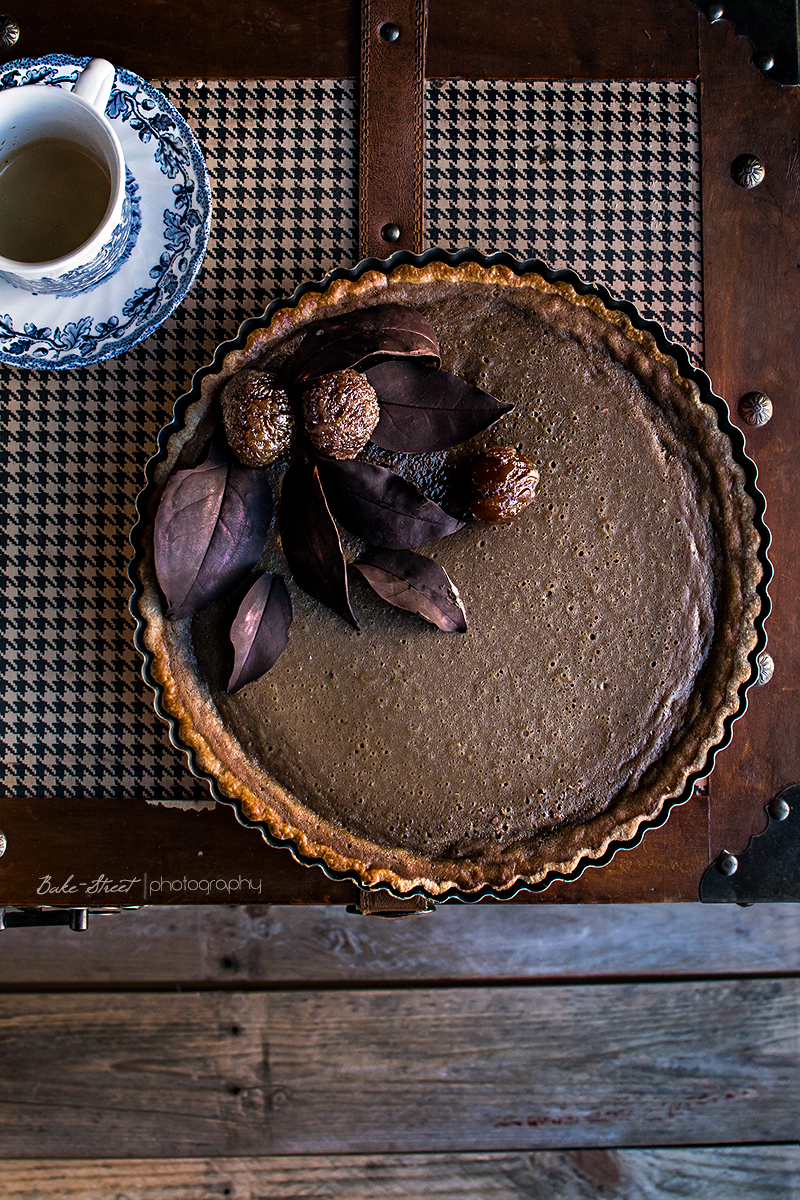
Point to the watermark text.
(101, 886)
(205, 887)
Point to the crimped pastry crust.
(668, 479)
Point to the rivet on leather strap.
(391, 126)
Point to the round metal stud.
(714, 11)
(765, 62)
(389, 31)
(391, 233)
(766, 668)
(727, 864)
(779, 809)
(3, 843)
(9, 31)
(747, 171)
(755, 408)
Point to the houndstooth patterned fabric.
(599, 177)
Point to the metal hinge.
(384, 904)
(19, 917)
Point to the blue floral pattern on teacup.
(113, 321)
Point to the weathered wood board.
(386, 1071)
(707, 1173)
(276, 945)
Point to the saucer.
(168, 185)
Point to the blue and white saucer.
(168, 188)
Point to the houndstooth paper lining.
(600, 177)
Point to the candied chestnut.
(502, 483)
(340, 411)
(258, 417)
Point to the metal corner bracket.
(769, 869)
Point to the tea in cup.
(65, 215)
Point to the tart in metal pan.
(612, 626)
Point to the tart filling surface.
(608, 625)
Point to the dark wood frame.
(751, 264)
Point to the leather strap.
(391, 126)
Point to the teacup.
(65, 215)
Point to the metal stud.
(391, 233)
(389, 31)
(747, 171)
(714, 11)
(765, 62)
(727, 863)
(755, 408)
(9, 31)
(766, 668)
(778, 809)
(3, 843)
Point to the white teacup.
(65, 215)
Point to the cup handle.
(95, 82)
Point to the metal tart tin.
(686, 369)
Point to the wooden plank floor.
(621, 1051)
